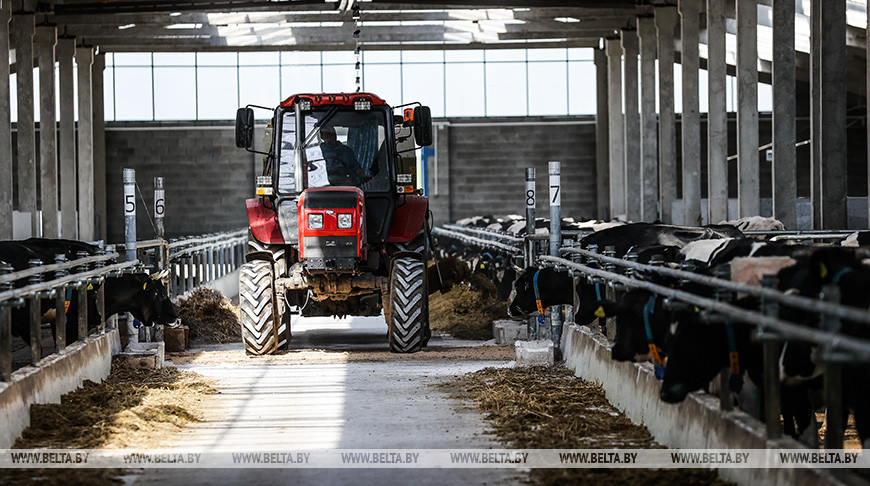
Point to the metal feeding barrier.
(58, 281)
(838, 349)
(197, 260)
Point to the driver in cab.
(341, 164)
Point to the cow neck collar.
(839, 275)
(658, 363)
(541, 308)
(735, 377)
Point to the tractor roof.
(330, 99)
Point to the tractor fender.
(408, 218)
(263, 221)
(260, 255)
(407, 254)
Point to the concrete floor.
(351, 405)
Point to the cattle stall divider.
(199, 260)
(837, 348)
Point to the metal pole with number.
(130, 235)
(532, 330)
(555, 243)
(159, 206)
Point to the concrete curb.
(55, 375)
(697, 423)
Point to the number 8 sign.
(530, 194)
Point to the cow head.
(554, 287)
(142, 295)
(697, 352)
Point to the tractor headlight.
(315, 221)
(345, 220)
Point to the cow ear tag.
(145, 286)
(599, 312)
(660, 372)
(823, 270)
(90, 287)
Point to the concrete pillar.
(615, 128)
(748, 187)
(22, 40)
(833, 121)
(646, 31)
(67, 138)
(602, 175)
(691, 121)
(6, 182)
(84, 61)
(632, 125)
(99, 146)
(46, 39)
(784, 113)
(816, 111)
(868, 124)
(717, 116)
(666, 22)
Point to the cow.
(858, 238)
(138, 293)
(755, 223)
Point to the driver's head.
(328, 134)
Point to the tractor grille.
(329, 246)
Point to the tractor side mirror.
(245, 128)
(423, 126)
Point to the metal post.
(35, 316)
(834, 419)
(609, 294)
(5, 328)
(528, 255)
(556, 243)
(130, 213)
(101, 297)
(771, 349)
(691, 121)
(60, 308)
(189, 263)
(209, 263)
(83, 300)
(666, 21)
(159, 206)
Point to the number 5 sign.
(130, 199)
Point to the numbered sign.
(129, 199)
(555, 192)
(530, 194)
(159, 203)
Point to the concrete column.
(67, 137)
(99, 146)
(22, 40)
(602, 175)
(6, 182)
(691, 121)
(615, 128)
(748, 192)
(646, 31)
(632, 125)
(717, 116)
(46, 39)
(833, 121)
(666, 22)
(784, 113)
(816, 112)
(84, 61)
(868, 124)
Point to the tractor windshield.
(342, 148)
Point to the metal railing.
(197, 260)
(57, 281)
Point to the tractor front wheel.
(264, 330)
(408, 316)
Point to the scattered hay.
(133, 407)
(467, 310)
(545, 407)
(210, 317)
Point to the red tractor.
(338, 227)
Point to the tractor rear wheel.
(408, 316)
(263, 329)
